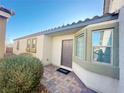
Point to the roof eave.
(95, 20)
(6, 12)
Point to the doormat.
(64, 71)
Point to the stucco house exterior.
(111, 6)
(5, 14)
(92, 48)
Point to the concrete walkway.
(57, 82)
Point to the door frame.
(65, 67)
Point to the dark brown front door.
(67, 46)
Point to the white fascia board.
(4, 14)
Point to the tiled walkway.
(57, 82)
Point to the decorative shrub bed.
(20, 74)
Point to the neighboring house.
(111, 6)
(5, 14)
(9, 48)
(92, 48)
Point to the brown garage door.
(67, 46)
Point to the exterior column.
(121, 50)
(2, 35)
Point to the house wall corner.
(121, 49)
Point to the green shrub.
(26, 54)
(20, 74)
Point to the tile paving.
(57, 82)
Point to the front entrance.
(67, 48)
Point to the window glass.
(17, 45)
(102, 46)
(80, 46)
(28, 43)
(33, 43)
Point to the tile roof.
(79, 24)
(7, 10)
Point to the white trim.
(4, 14)
(84, 54)
(103, 23)
(102, 63)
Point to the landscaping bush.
(20, 74)
(26, 54)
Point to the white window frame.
(102, 63)
(84, 56)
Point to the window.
(28, 43)
(102, 46)
(34, 42)
(80, 46)
(17, 45)
(31, 45)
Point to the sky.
(33, 16)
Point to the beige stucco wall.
(23, 46)
(57, 47)
(2, 36)
(99, 83)
(115, 5)
(47, 50)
